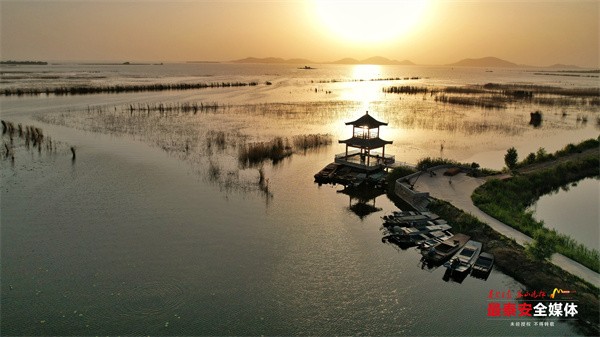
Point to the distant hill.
(484, 62)
(346, 60)
(372, 60)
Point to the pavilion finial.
(367, 112)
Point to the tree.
(543, 245)
(511, 157)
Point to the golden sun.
(375, 21)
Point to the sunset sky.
(528, 32)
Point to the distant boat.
(438, 254)
(465, 258)
(307, 68)
(483, 266)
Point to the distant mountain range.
(484, 62)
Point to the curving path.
(458, 189)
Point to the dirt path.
(556, 162)
(458, 190)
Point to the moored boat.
(437, 239)
(415, 235)
(326, 173)
(483, 266)
(465, 258)
(446, 249)
(410, 220)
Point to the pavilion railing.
(376, 158)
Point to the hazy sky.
(424, 31)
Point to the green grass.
(508, 200)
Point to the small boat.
(483, 266)
(415, 235)
(465, 258)
(411, 220)
(326, 173)
(437, 239)
(306, 68)
(444, 250)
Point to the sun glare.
(375, 21)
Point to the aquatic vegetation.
(214, 171)
(218, 138)
(491, 102)
(311, 141)
(164, 108)
(255, 153)
(411, 90)
(28, 137)
(406, 78)
(117, 89)
(278, 148)
(535, 119)
(499, 96)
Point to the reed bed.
(255, 153)
(493, 102)
(32, 137)
(499, 96)
(406, 89)
(117, 89)
(186, 107)
(310, 141)
(544, 89)
(278, 148)
(368, 80)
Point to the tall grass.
(498, 96)
(487, 102)
(255, 153)
(32, 137)
(310, 141)
(117, 89)
(163, 108)
(278, 148)
(406, 89)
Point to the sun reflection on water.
(362, 88)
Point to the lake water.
(136, 236)
(573, 210)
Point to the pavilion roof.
(369, 143)
(368, 121)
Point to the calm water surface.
(573, 210)
(133, 239)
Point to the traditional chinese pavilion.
(365, 139)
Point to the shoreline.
(535, 273)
